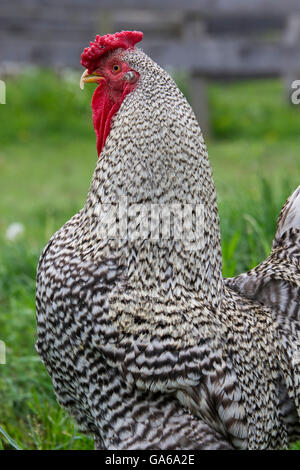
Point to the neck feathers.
(155, 164)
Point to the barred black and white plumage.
(276, 283)
(146, 345)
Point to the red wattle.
(104, 108)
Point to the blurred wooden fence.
(211, 39)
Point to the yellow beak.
(93, 77)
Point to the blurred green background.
(47, 158)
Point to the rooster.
(148, 347)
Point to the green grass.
(47, 157)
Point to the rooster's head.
(115, 78)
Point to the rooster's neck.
(155, 167)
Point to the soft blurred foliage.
(253, 109)
(44, 103)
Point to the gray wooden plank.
(209, 57)
(228, 57)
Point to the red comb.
(103, 44)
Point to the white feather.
(290, 215)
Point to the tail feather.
(290, 214)
(275, 283)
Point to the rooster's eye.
(116, 68)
